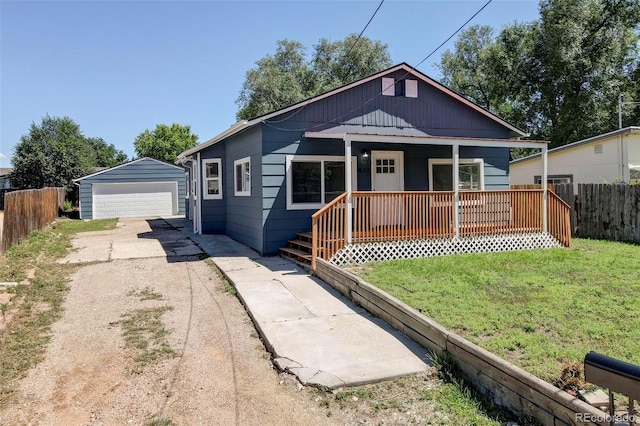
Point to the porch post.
(544, 189)
(456, 184)
(347, 181)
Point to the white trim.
(427, 140)
(433, 161)
(314, 159)
(205, 179)
(399, 166)
(197, 211)
(187, 184)
(244, 191)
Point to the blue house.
(400, 131)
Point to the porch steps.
(298, 249)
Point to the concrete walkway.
(311, 330)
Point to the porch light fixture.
(365, 153)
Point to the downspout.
(624, 145)
(455, 148)
(544, 189)
(347, 179)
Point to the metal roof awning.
(427, 140)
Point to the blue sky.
(120, 67)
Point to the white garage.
(140, 188)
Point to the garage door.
(134, 199)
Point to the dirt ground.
(219, 372)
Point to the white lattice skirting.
(356, 254)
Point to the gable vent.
(597, 148)
(388, 86)
(411, 88)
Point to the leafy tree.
(164, 143)
(51, 154)
(288, 76)
(106, 155)
(559, 76)
(337, 63)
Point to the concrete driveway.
(311, 330)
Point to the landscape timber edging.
(507, 385)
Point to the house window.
(555, 179)
(242, 186)
(385, 165)
(314, 181)
(212, 179)
(470, 174)
(187, 189)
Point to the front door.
(387, 171)
(387, 174)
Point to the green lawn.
(538, 309)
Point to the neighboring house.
(607, 158)
(5, 183)
(141, 188)
(261, 180)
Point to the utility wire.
(380, 93)
(345, 55)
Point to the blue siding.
(279, 223)
(139, 171)
(214, 212)
(244, 214)
(432, 113)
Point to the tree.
(558, 77)
(164, 143)
(51, 154)
(288, 77)
(106, 155)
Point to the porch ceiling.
(428, 140)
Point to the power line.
(453, 35)
(345, 55)
(360, 35)
(380, 93)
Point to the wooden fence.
(27, 211)
(608, 212)
(602, 211)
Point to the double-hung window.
(242, 174)
(313, 181)
(212, 179)
(470, 174)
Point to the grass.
(539, 309)
(416, 399)
(144, 330)
(23, 341)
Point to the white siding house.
(607, 158)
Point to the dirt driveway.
(203, 364)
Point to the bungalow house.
(606, 158)
(423, 164)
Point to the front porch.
(390, 225)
